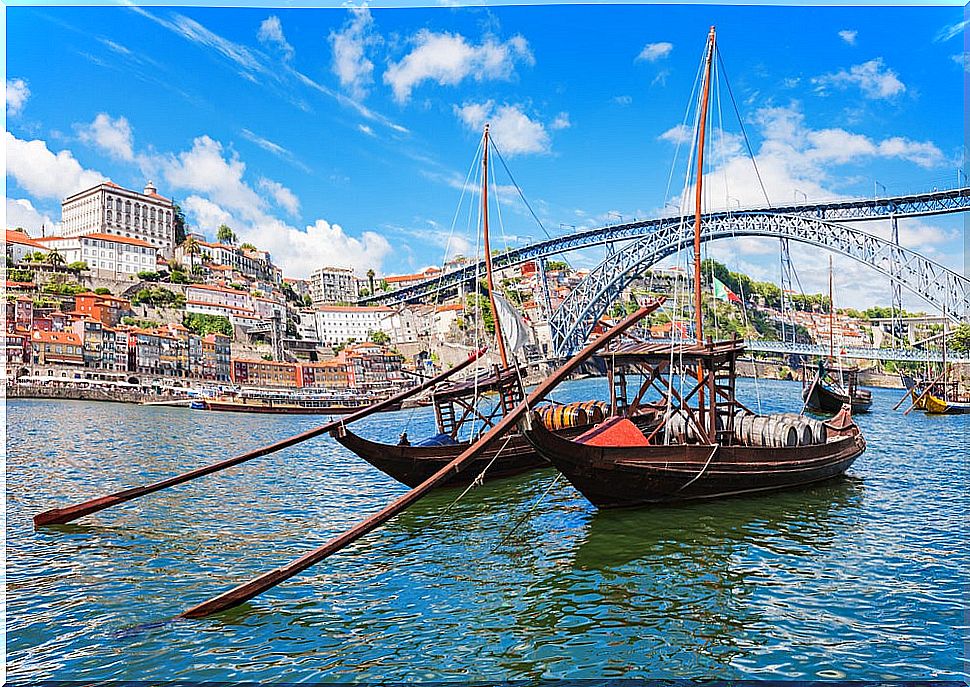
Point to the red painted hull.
(625, 476)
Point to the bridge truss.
(842, 211)
(573, 321)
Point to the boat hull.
(821, 399)
(284, 408)
(937, 406)
(412, 465)
(628, 476)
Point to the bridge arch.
(943, 288)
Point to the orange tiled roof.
(57, 337)
(21, 237)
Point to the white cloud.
(953, 30)
(873, 78)
(676, 134)
(350, 62)
(561, 121)
(22, 213)
(44, 174)
(848, 36)
(206, 215)
(515, 133)
(623, 100)
(655, 51)
(271, 33)
(962, 59)
(17, 95)
(364, 129)
(274, 148)
(448, 59)
(113, 136)
(284, 197)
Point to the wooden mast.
(831, 316)
(698, 207)
(488, 258)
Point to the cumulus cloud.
(655, 51)
(113, 136)
(22, 213)
(45, 174)
(848, 36)
(449, 58)
(284, 197)
(677, 134)
(17, 95)
(873, 78)
(514, 132)
(349, 45)
(271, 33)
(561, 121)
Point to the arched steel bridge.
(572, 322)
(842, 211)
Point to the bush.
(20, 275)
(179, 278)
(159, 296)
(103, 291)
(203, 324)
(138, 322)
(78, 265)
(65, 289)
(149, 276)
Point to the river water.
(861, 578)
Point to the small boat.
(938, 406)
(286, 405)
(719, 450)
(827, 395)
(708, 444)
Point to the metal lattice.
(857, 210)
(572, 322)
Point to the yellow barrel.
(564, 416)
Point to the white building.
(330, 285)
(338, 324)
(110, 209)
(408, 324)
(255, 264)
(19, 244)
(217, 300)
(107, 256)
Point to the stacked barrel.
(784, 430)
(566, 415)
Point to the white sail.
(513, 328)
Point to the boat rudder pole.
(60, 516)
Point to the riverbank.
(78, 393)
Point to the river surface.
(861, 578)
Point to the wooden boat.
(825, 395)
(466, 410)
(708, 444)
(286, 405)
(939, 406)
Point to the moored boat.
(286, 405)
(826, 395)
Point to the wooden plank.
(257, 586)
(59, 516)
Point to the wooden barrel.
(564, 416)
(759, 436)
(595, 411)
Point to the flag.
(723, 293)
(514, 329)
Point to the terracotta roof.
(119, 239)
(23, 239)
(57, 337)
(20, 284)
(448, 308)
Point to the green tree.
(54, 259)
(248, 246)
(178, 222)
(147, 275)
(103, 291)
(78, 265)
(370, 279)
(225, 235)
(959, 338)
(380, 338)
(556, 266)
(203, 324)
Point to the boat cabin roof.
(651, 352)
(468, 387)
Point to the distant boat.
(826, 395)
(939, 406)
(286, 404)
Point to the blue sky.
(336, 136)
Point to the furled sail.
(513, 328)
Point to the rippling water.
(861, 578)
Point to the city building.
(106, 255)
(329, 285)
(372, 368)
(264, 373)
(19, 244)
(216, 363)
(400, 281)
(105, 308)
(338, 324)
(230, 260)
(56, 348)
(110, 209)
(330, 374)
(218, 300)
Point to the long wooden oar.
(929, 387)
(59, 516)
(257, 586)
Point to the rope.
(703, 469)
(528, 513)
(477, 482)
